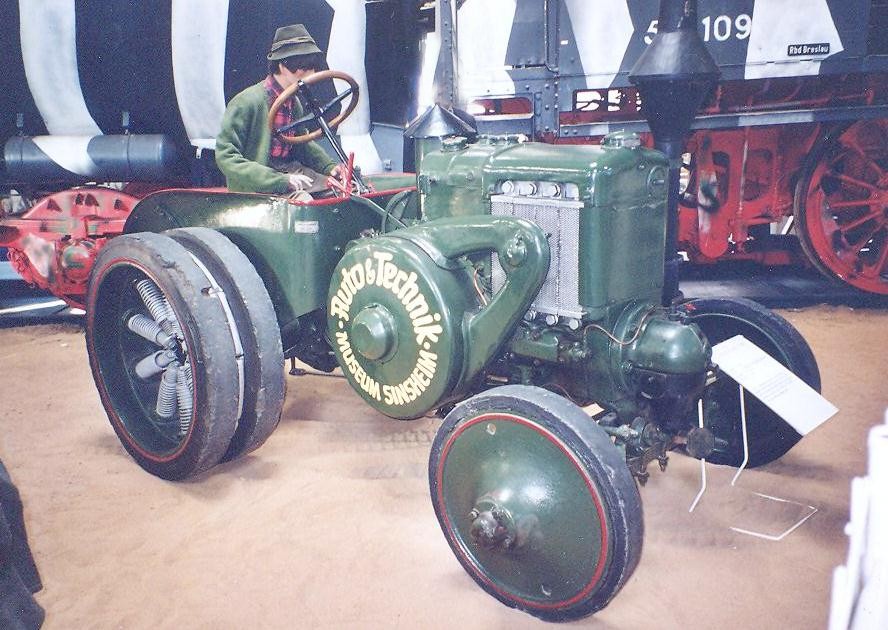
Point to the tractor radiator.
(560, 221)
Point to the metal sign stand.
(702, 459)
(773, 537)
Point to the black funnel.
(674, 76)
(433, 125)
(437, 122)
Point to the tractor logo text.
(383, 273)
(379, 270)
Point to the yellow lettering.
(356, 275)
(379, 270)
(381, 259)
(400, 396)
(390, 272)
(409, 290)
(420, 379)
(428, 332)
(422, 321)
(369, 271)
(349, 287)
(410, 389)
(338, 308)
(417, 307)
(400, 277)
(427, 362)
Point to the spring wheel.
(260, 340)
(536, 502)
(164, 352)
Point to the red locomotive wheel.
(841, 205)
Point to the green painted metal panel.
(622, 223)
(388, 292)
(507, 464)
(293, 246)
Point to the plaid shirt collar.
(284, 116)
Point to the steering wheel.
(315, 111)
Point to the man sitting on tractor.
(246, 152)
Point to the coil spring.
(185, 393)
(158, 307)
(154, 364)
(147, 328)
(166, 395)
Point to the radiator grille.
(560, 220)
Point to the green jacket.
(243, 144)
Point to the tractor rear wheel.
(841, 205)
(161, 344)
(768, 435)
(251, 307)
(536, 502)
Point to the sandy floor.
(329, 524)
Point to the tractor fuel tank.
(602, 207)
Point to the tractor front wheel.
(536, 502)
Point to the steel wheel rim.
(846, 218)
(134, 398)
(531, 576)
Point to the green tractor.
(507, 286)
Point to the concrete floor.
(329, 523)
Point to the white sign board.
(765, 378)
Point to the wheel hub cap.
(373, 333)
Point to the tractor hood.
(619, 172)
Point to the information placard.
(768, 380)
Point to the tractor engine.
(531, 264)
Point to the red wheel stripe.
(103, 393)
(843, 264)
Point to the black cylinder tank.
(80, 159)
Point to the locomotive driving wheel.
(536, 502)
(841, 205)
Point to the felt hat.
(290, 41)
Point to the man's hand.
(338, 171)
(299, 182)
